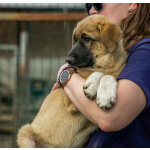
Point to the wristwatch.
(65, 75)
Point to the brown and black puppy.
(98, 54)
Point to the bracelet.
(68, 67)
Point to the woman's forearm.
(89, 108)
(115, 118)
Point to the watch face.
(64, 76)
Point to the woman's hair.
(136, 25)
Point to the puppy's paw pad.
(86, 86)
(106, 102)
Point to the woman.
(127, 123)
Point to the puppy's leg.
(70, 107)
(26, 137)
(106, 93)
(91, 85)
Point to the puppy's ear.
(111, 34)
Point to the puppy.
(99, 56)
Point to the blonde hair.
(136, 25)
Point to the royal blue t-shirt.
(137, 133)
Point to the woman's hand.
(55, 86)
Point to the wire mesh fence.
(31, 52)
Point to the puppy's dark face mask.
(80, 55)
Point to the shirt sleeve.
(137, 69)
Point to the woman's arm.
(131, 100)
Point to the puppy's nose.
(70, 60)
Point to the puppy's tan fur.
(59, 123)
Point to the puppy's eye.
(86, 39)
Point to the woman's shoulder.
(140, 52)
(142, 44)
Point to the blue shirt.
(137, 133)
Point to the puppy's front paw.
(106, 94)
(91, 85)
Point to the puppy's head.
(95, 38)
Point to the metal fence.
(33, 46)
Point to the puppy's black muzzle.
(80, 56)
